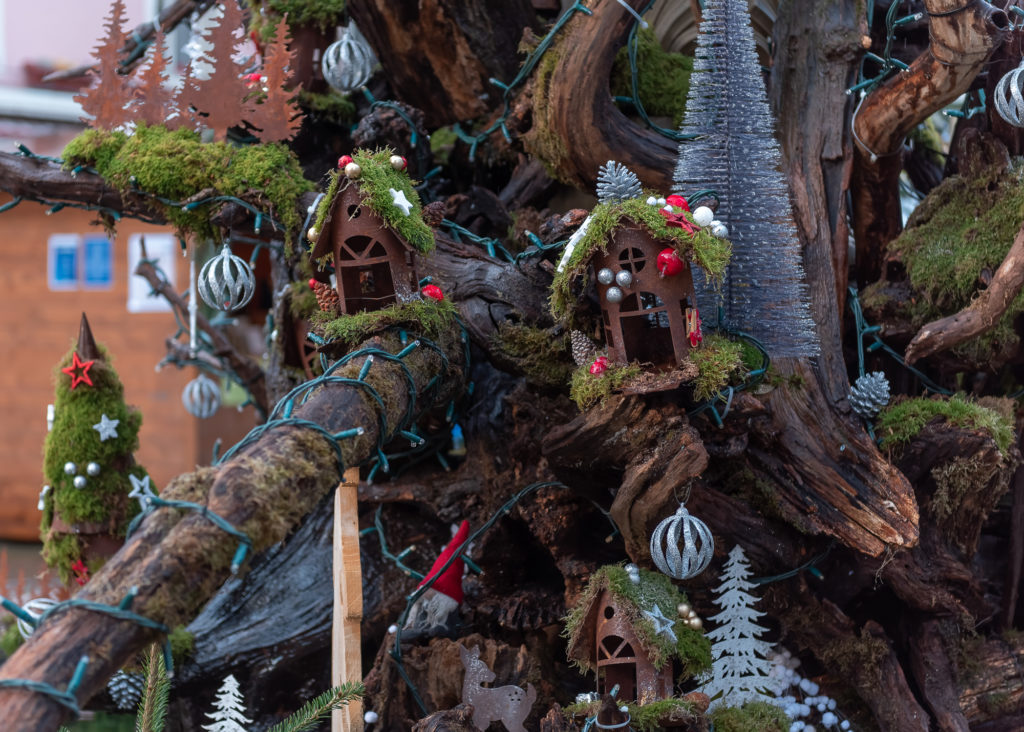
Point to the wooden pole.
(346, 658)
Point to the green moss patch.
(900, 423)
(642, 718)
(324, 15)
(691, 648)
(434, 319)
(175, 165)
(375, 184)
(751, 717)
(302, 304)
(663, 78)
(587, 389)
(332, 106)
(543, 358)
(709, 252)
(962, 229)
(720, 362)
(540, 142)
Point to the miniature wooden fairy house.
(629, 634)
(369, 229)
(640, 255)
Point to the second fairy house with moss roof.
(625, 628)
(369, 228)
(640, 252)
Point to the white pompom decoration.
(702, 215)
(682, 561)
(226, 282)
(348, 62)
(370, 717)
(201, 397)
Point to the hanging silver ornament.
(35, 608)
(70, 468)
(79, 482)
(93, 469)
(682, 560)
(226, 282)
(1008, 97)
(614, 294)
(869, 394)
(605, 276)
(624, 279)
(348, 62)
(201, 396)
(719, 230)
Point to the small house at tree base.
(374, 266)
(646, 320)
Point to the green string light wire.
(752, 378)
(887, 64)
(64, 698)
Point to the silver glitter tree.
(736, 155)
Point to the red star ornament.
(73, 370)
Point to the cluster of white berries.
(799, 698)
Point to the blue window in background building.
(97, 269)
(62, 262)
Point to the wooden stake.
(346, 658)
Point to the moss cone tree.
(92, 440)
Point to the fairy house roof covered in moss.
(375, 184)
(691, 648)
(708, 252)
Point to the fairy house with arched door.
(369, 229)
(629, 633)
(640, 257)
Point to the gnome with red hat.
(444, 595)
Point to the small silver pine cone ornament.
(582, 348)
(869, 394)
(126, 689)
(616, 182)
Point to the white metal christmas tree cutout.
(229, 709)
(741, 665)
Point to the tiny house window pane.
(62, 262)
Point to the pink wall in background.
(63, 32)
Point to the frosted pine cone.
(616, 182)
(869, 394)
(326, 298)
(126, 689)
(582, 348)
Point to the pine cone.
(869, 394)
(582, 348)
(616, 182)
(433, 213)
(327, 298)
(126, 689)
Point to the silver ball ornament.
(698, 545)
(79, 481)
(348, 62)
(719, 230)
(353, 171)
(684, 610)
(614, 294)
(70, 468)
(201, 397)
(702, 215)
(93, 469)
(624, 279)
(695, 623)
(226, 282)
(605, 276)
(1008, 98)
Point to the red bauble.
(344, 160)
(433, 292)
(678, 202)
(599, 366)
(669, 263)
(312, 283)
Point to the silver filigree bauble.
(201, 397)
(36, 608)
(348, 62)
(226, 281)
(1008, 98)
(685, 559)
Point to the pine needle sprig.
(317, 709)
(153, 705)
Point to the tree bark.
(177, 561)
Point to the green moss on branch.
(901, 422)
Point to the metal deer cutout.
(508, 704)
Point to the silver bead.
(702, 215)
(614, 294)
(605, 276)
(201, 397)
(719, 230)
(348, 62)
(624, 279)
(79, 481)
(698, 545)
(226, 282)
(93, 469)
(70, 468)
(684, 610)
(695, 623)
